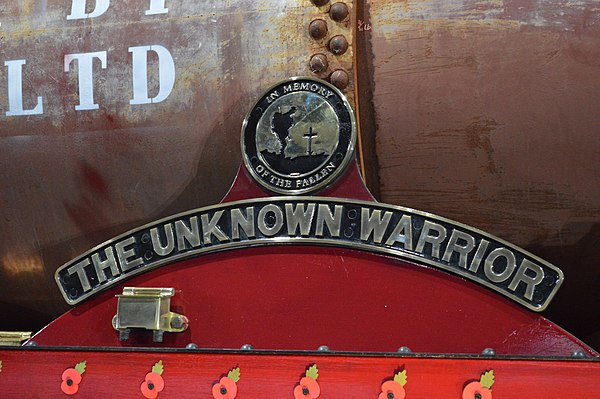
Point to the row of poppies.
(307, 388)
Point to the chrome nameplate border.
(370, 226)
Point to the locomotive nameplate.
(392, 230)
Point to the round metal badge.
(299, 136)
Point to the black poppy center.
(305, 391)
(477, 395)
(69, 382)
(223, 390)
(390, 395)
(150, 386)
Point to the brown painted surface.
(488, 113)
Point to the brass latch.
(147, 308)
(13, 338)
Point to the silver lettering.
(373, 224)
(245, 222)
(531, 282)
(478, 257)
(274, 228)
(299, 218)
(462, 250)
(157, 245)
(157, 7)
(190, 234)
(434, 240)
(210, 228)
(79, 269)
(402, 233)
(509, 267)
(325, 217)
(125, 255)
(101, 265)
(78, 9)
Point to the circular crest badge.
(299, 136)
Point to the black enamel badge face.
(299, 136)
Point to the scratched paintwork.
(487, 112)
(71, 179)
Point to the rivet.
(488, 352)
(339, 79)
(578, 354)
(320, 3)
(246, 347)
(191, 345)
(318, 63)
(323, 348)
(338, 12)
(338, 45)
(317, 29)
(404, 349)
(30, 343)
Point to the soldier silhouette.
(281, 123)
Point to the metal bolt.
(191, 345)
(578, 354)
(404, 349)
(488, 352)
(320, 3)
(318, 63)
(323, 348)
(338, 45)
(339, 79)
(246, 347)
(338, 12)
(317, 29)
(178, 322)
(158, 335)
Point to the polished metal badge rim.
(299, 136)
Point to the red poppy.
(225, 389)
(308, 389)
(475, 390)
(392, 390)
(70, 381)
(152, 385)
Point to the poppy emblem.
(153, 382)
(481, 389)
(71, 378)
(226, 388)
(394, 389)
(308, 388)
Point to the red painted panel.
(112, 374)
(301, 297)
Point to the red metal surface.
(111, 374)
(301, 297)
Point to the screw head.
(338, 45)
(318, 63)
(339, 79)
(246, 347)
(578, 354)
(338, 12)
(317, 29)
(323, 348)
(404, 349)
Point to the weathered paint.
(72, 178)
(487, 112)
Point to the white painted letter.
(157, 7)
(86, 80)
(166, 74)
(78, 9)
(15, 91)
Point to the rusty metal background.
(488, 112)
